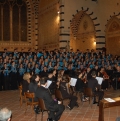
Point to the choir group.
(13, 65)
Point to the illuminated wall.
(19, 28)
(100, 12)
(48, 25)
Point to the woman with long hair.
(25, 83)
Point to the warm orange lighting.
(94, 42)
(58, 12)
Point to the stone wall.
(48, 25)
(32, 30)
(100, 12)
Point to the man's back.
(92, 83)
(55, 109)
(43, 93)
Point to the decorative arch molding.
(84, 35)
(112, 32)
(93, 17)
(77, 19)
(99, 35)
(113, 24)
(117, 14)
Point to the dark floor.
(10, 99)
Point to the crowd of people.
(13, 65)
(33, 69)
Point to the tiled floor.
(10, 99)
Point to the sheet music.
(73, 81)
(48, 83)
(109, 100)
(99, 79)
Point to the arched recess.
(113, 36)
(83, 32)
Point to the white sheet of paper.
(48, 83)
(99, 79)
(73, 81)
(109, 100)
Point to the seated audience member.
(35, 82)
(80, 84)
(5, 114)
(52, 86)
(64, 88)
(93, 84)
(55, 109)
(25, 83)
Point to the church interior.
(61, 27)
(60, 24)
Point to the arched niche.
(82, 35)
(113, 36)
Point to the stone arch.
(112, 35)
(99, 36)
(93, 17)
(83, 32)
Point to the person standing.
(6, 80)
(13, 76)
(93, 84)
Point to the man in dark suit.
(93, 84)
(55, 109)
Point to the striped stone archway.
(65, 37)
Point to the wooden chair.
(88, 92)
(21, 96)
(80, 94)
(42, 107)
(31, 102)
(58, 95)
